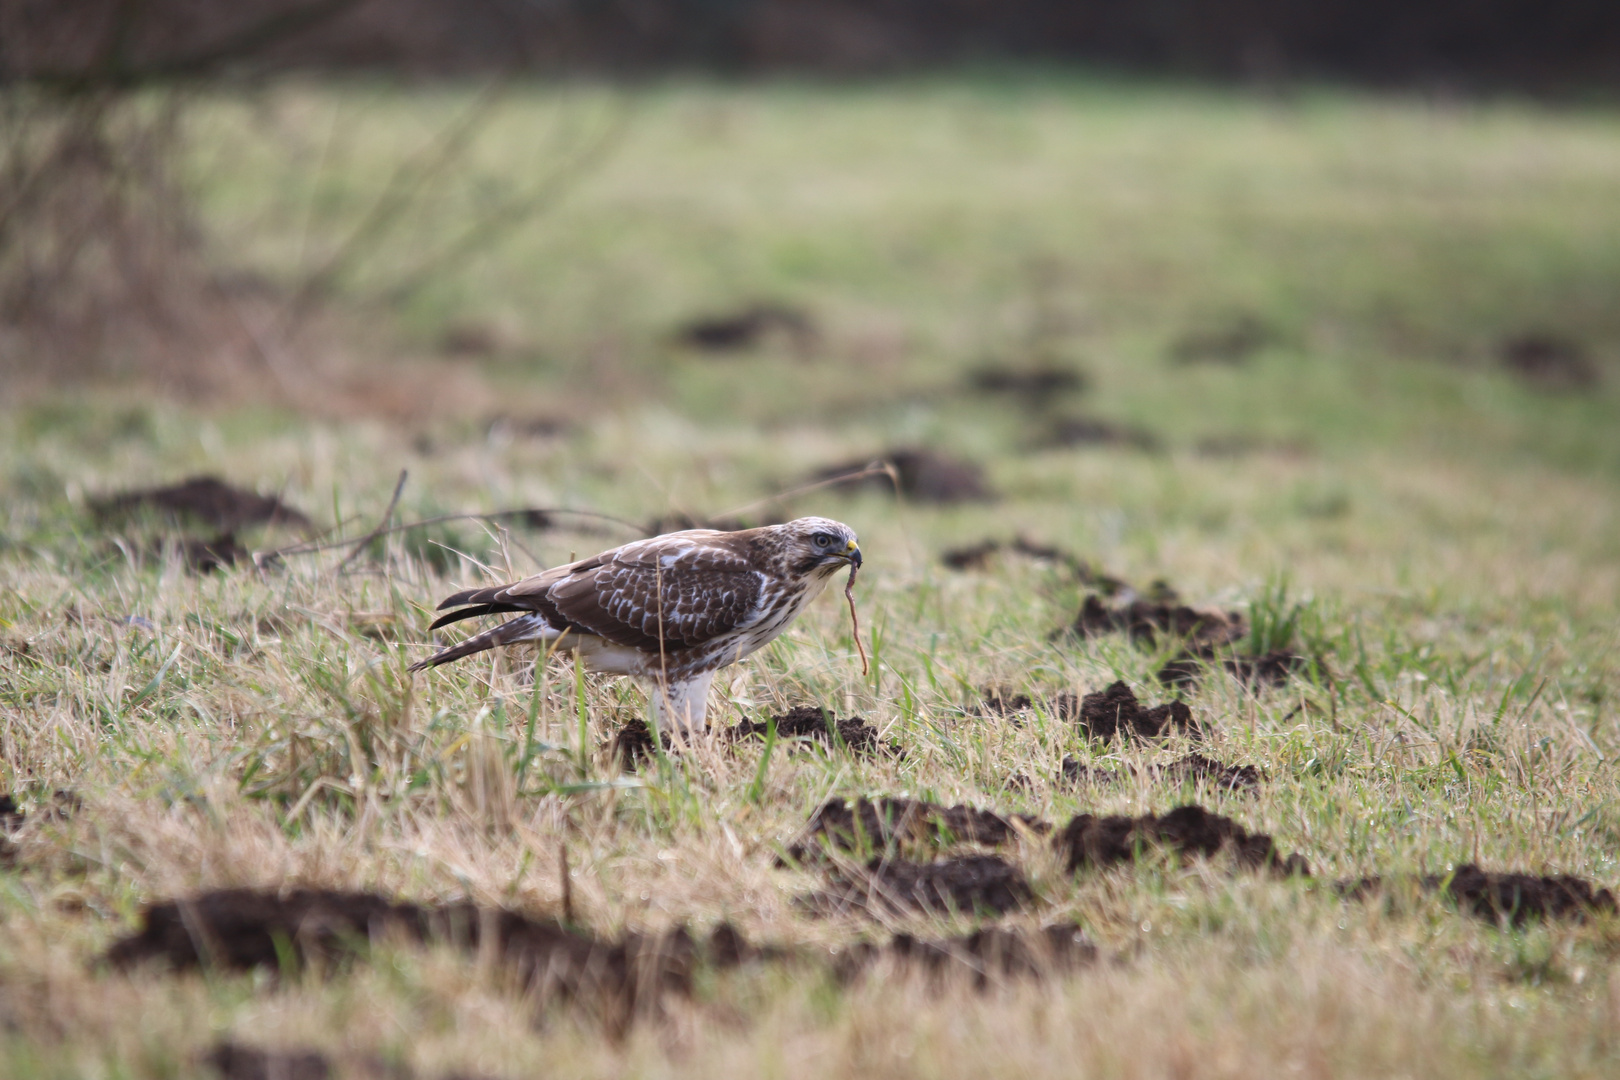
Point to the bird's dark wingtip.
(466, 596)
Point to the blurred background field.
(1323, 333)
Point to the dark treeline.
(1532, 44)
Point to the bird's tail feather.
(523, 628)
(473, 613)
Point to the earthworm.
(849, 594)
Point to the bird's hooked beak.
(852, 554)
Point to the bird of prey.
(670, 610)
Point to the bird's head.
(818, 546)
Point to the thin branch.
(115, 73)
(550, 190)
(261, 557)
(396, 197)
(877, 468)
(381, 525)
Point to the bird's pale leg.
(681, 706)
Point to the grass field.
(1445, 537)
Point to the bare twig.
(395, 198)
(260, 557)
(381, 525)
(877, 468)
(115, 72)
(549, 191)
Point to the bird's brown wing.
(709, 587)
(673, 592)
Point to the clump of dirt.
(1548, 362)
(972, 556)
(1184, 670)
(1075, 771)
(1090, 840)
(205, 556)
(1000, 701)
(1038, 382)
(1233, 341)
(1196, 767)
(810, 722)
(201, 500)
(632, 744)
(875, 824)
(1160, 612)
(1244, 779)
(1510, 898)
(892, 887)
(1268, 669)
(205, 500)
(1115, 711)
(751, 327)
(233, 1061)
(1208, 636)
(922, 474)
(241, 929)
(1071, 431)
(991, 953)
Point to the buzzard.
(670, 610)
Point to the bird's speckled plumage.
(670, 610)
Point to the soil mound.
(893, 887)
(1548, 362)
(1268, 669)
(1037, 382)
(1090, 840)
(1000, 701)
(241, 929)
(810, 722)
(1072, 431)
(1209, 637)
(1116, 711)
(632, 744)
(875, 824)
(233, 1061)
(986, 955)
(1195, 767)
(1144, 619)
(1510, 898)
(1245, 779)
(205, 500)
(201, 500)
(752, 327)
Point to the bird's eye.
(822, 540)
